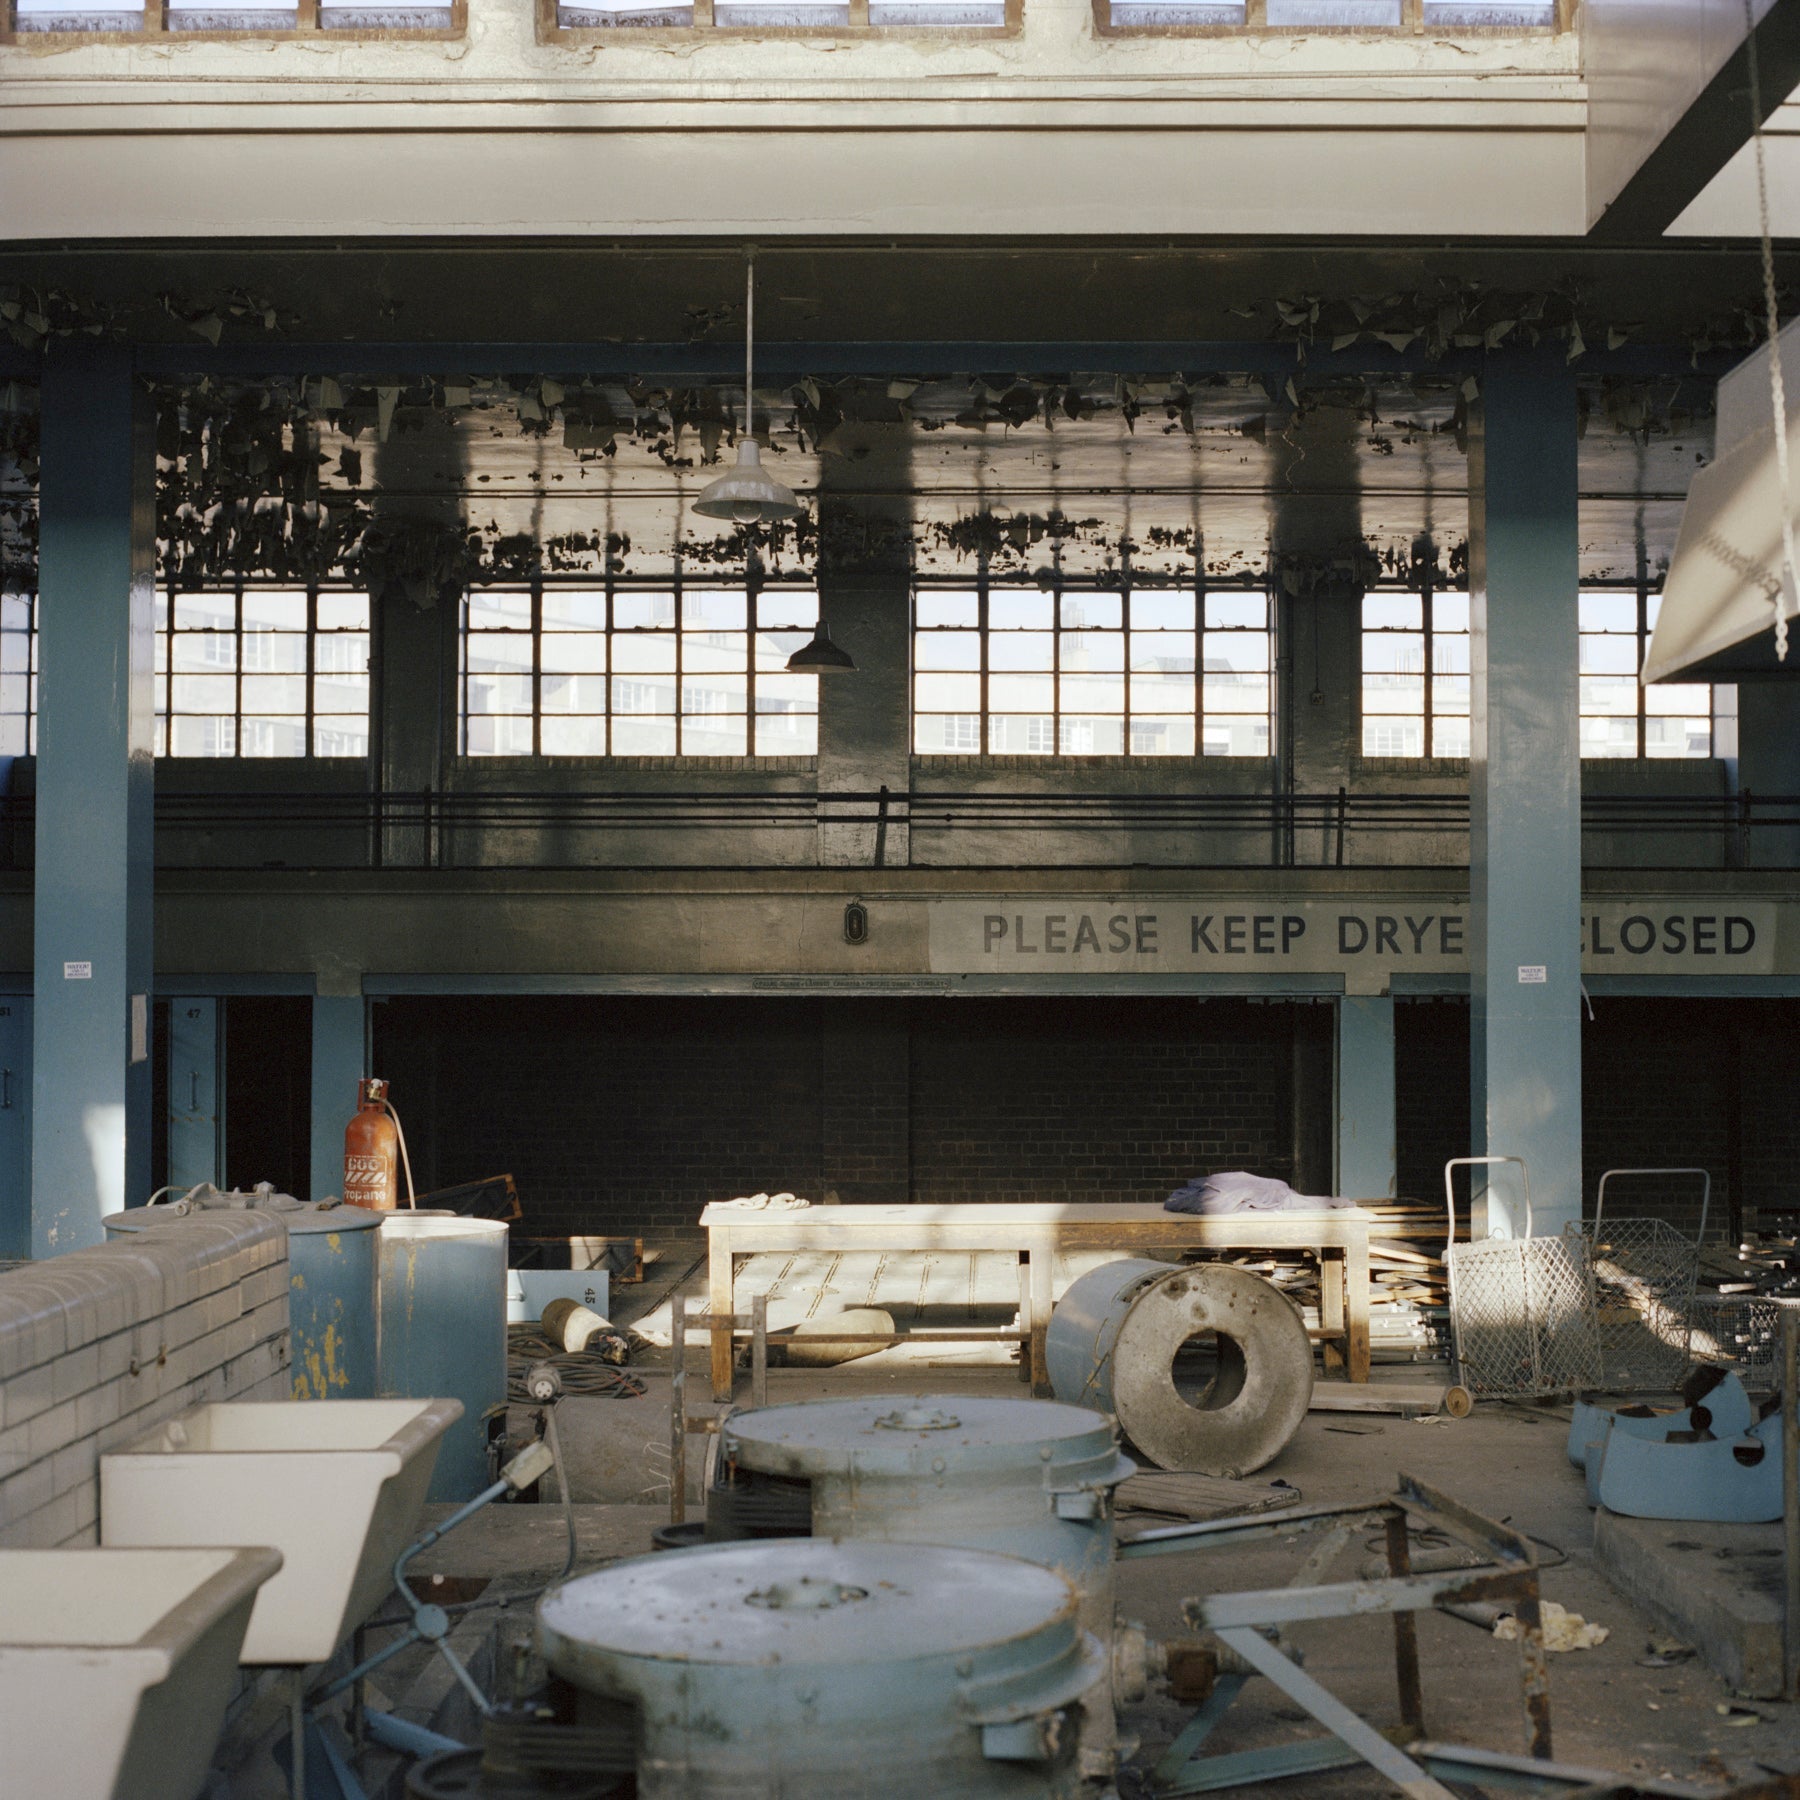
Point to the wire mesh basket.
(1521, 1309)
(1743, 1330)
(1643, 1272)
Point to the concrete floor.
(1608, 1708)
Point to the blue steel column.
(92, 893)
(1365, 1097)
(338, 1025)
(1525, 787)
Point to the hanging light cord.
(750, 330)
(1777, 388)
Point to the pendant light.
(821, 656)
(749, 495)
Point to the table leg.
(1042, 1259)
(1333, 1346)
(1025, 1315)
(720, 1304)
(1356, 1283)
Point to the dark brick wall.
(865, 1090)
(1099, 1099)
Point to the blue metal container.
(443, 1331)
(331, 1282)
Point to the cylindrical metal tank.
(1114, 1340)
(1018, 1477)
(331, 1282)
(861, 1671)
(443, 1330)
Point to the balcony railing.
(593, 828)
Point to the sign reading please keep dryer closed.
(1163, 936)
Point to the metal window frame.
(1427, 714)
(237, 589)
(1196, 586)
(31, 634)
(754, 581)
(1255, 24)
(703, 30)
(307, 28)
(1643, 587)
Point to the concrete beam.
(339, 1039)
(1525, 787)
(92, 900)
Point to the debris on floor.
(1563, 1630)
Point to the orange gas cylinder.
(371, 1151)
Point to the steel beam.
(1365, 1097)
(92, 888)
(1525, 785)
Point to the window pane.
(493, 652)
(202, 737)
(1609, 737)
(1093, 694)
(934, 733)
(345, 734)
(1608, 655)
(492, 611)
(343, 612)
(564, 607)
(1450, 695)
(205, 694)
(711, 609)
(1393, 652)
(715, 653)
(275, 652)
(1016, 693)
(643, 696)
(1393, 737)
(1449, 613)
(504, 736)
(344, 653)
(341, 694)
(773, 648)
(1393, 694)
(1021, 650)
(1093, 651)
(640, 609)
(1236, 693)
(499, 694)
(1449, 737)
(643, 737)
(205, 651)
(947, 650)
(1608, 612)
(205, 612)
(1238, 609)
(1162, 693)
(1092, 612)
(1449, 655)
(645, 654)
(1242, 735)
(938, 606)
(947, 693)
(1092, 736)
(271, 736)
(573, 737)
(787, 734)
(1242, 650)
(1017, 735)
(1162, 737)
(1613, 695)
(722, 693)
(275, 694)
(1010, 609)
(787, 693)
(718, 734)
(572, 693)
(1691, 698)
(793, 609)
(581, 651)
(1393, 612)
(267, 611)
(1690, 736)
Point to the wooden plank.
(1410, 1399)
(1180, 1494)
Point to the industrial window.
(1405, 711)
(1085, 672)
(1620, 717)
(32, 20)
(256, 671)
(638, 671)
(18, 674)
(1195, 18)
(590, 21)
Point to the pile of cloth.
(1235, 1191)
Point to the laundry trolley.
(1522, 1318)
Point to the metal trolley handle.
(1705, 1194)
(1472, 1162)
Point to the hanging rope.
(1790, 564)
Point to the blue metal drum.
(443, 1331)
(331, 1282)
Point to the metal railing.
(584, 827)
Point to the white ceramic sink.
(335, 1485)
(116, 1667)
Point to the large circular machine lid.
(800, 1601)
(822, 1437)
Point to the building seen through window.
(1407, 711)
(1620, 717)
(638, 671)
(1014, 671)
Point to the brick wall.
(865, 1097)
(99, 1345)
(1098, 1099)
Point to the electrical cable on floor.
(586, 1373)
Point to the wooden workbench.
(1037, 1232)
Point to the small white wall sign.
(78, 971)
(1533, 974)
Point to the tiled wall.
(99, 1345)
